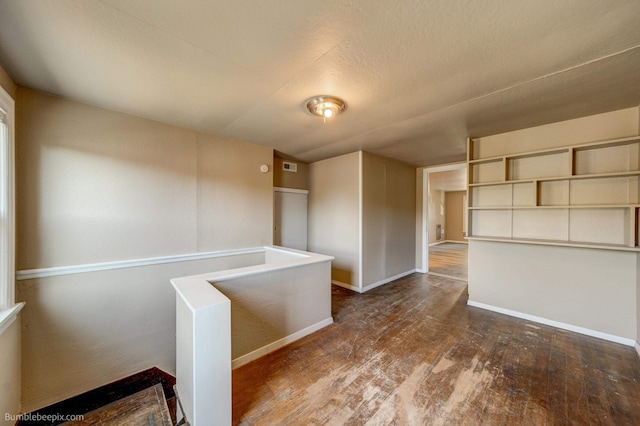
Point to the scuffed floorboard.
(412, 353)
(449, 259)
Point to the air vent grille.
(289, 167)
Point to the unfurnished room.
(420, 212)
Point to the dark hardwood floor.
(412, 353)
(449, 259)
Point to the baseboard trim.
(258, 353)
(576, 329)
(451, 277)
(347, 286)
(448, 241)
(374, 285)
(387, 280)
(637, 345)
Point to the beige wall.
(84, 330)
(286, 179)
(362, 191)
(10, 381)
(436, 214)
(235, 199)
(638, 305)
(454, 215)
(97, 186)
(388, 212)
(334, 215)
(7, 83)
(593, 289)
(10, 372)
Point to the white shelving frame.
(531, 191)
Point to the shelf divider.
(568, 173)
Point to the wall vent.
(289, 167)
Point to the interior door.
(290, 219)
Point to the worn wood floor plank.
(449, 259)
(412, 352)
(147, 407)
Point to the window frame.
(8, 308)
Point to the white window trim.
(8, 316)
(8, 308)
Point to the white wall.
(588, 288)
(99, 186)
(334, 215)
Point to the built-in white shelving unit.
(583, 195)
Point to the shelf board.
(585, 206)
(607, 143)
(560, 178)
(486, 160)
(592, 176)
(503, 207)
(501, 182)
(527, 154)
(580, 147)
(560, 243)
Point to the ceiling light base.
(326, 106)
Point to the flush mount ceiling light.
(325, 106)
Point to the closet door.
(290, 218)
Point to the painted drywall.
(10, 373)
(454, 217)
(84, 330)
(334, 215)
(420, 220)
(436, 214)
(593, 289)
(362, 191)
(96, 186)
(638, 305)
(388, 210)
(614, 124)
(274, 305)
(7, 83)
(235, 199)
(286, 179)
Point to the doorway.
(290, 218)
(444, 221)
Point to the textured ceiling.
(418, 76)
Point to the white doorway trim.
(422, 214)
